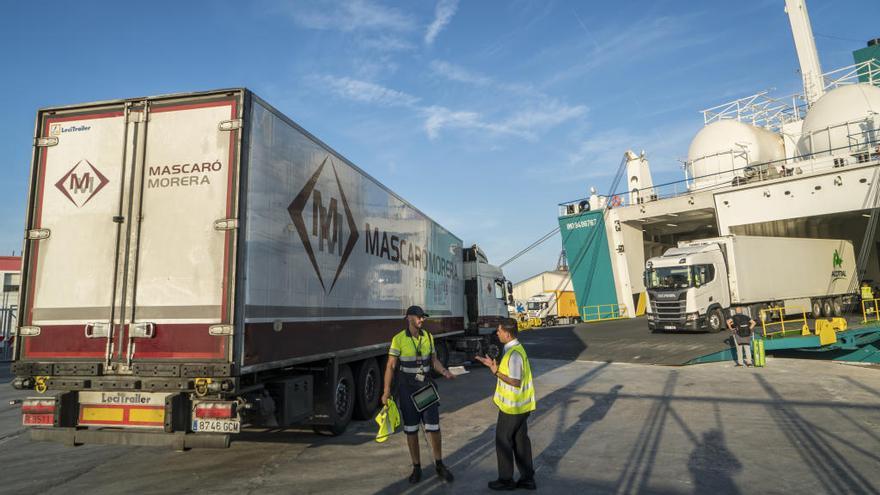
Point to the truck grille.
(669, 310)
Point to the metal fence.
(8, 322)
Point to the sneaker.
(528, 484)
(502, 485)
(444, 473)
(416, 475)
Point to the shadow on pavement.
(834, 472)
(483, 444)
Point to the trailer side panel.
(333, 257)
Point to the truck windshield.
(669, 277)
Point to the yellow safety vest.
(867, 292)
(515, 400)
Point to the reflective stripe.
(431, 427)
(393, 352)
(415, 369)
(511, 403)
(410, 429)
(515, 390)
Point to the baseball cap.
(416, 311)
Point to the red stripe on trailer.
(186, 341)
(70, 338)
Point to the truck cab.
(687, 289)
(487, 298)
(541, 306)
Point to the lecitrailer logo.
(81, 183)
(327, 234)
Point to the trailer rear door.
(133, 221)
(183, 266)
(81, 160)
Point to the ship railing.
(863, 149)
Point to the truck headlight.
(693, 316)
(650, 316)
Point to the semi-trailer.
(693, 286)
(555, 307)
(195, 262)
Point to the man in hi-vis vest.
(515, 398)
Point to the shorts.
(430, 417)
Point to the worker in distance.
(413, 349)
(515, 398)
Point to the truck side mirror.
(510, 300)
(509, 287)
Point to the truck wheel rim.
(370, 385)
(341, 398)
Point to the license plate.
(38, 419)
(217, 425)
(669, 327)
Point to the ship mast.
(805, 44)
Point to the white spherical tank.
(845, 116)
(720, 151)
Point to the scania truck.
(196, 262)
(693, 286)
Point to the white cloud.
(366, 92)
(526, 124)
(350, 15)
(442, 15)
(459, 74)
(438, 118)
(551, 114)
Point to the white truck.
(553, 308)
(693, 286)
(198, 262)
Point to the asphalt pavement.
(602, 426)
(622, 341)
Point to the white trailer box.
(203, 246)
(785, 268)
(693, 286)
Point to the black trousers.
(512, 443)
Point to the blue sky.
(484, 114)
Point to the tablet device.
(425, 397)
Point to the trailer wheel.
(827, 308)
(837, 306)
(343, 403)
(816, 308)
(715, 319)
(368, 388)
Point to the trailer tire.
(368, 388)
(343, 403)
(827, 308)
(837, 306)
(715, 320)
(816, 308)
